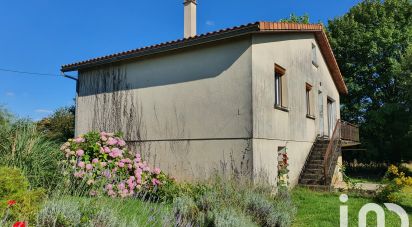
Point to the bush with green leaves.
(15, 187)
(100, 164)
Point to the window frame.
(279, 87)
(308, 101)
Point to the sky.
(41, 35)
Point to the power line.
(35, 73)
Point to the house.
(225, 102)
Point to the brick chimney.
(190, 18)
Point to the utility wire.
(37, 74)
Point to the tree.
(59, 126)
(297, 19)
(369, 43)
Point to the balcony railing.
(349, 132)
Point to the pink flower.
(109, 187)
(81, 164)
(138, 158)
(129, 166)
(79, 140)
(121, 186)
(103, 138)
(103, 164)
(79, 174)
(80, 153)
(89, 167)
(156, 171)
(121, 164)
(155, 182)
(106, 150)
(93, 193)
(95, 160)
(111, 141)
(111, 193)
(121, 143)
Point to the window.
(309, 109)
(314, 55)
(280, 88)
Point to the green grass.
(322, 209)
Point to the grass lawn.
(322, 209)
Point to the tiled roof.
(258, 27)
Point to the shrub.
(396, 180)
(59, 126)
(101, 164)
(230, 217)
(14, 187)
(59, 213)
(23, 147)
(68, 211)
(225, 202)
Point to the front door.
(331, 117)
(321, 120)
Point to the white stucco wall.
(186, 110)
(273, 127)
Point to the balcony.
(349, 134)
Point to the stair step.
(312, 176)
(313, 171)
(311, 181)
(315, 162)
(317, 187)
(314, 166)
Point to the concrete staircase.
(312, 175)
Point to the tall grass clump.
(22, 146)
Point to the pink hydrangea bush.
(102, 161)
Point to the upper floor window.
(314, 55)
(309, 102)
(280, 87)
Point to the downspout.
(75, 100)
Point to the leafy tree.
(370, 43)
(297, 19)
(59, 126)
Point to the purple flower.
(80, 153)
(95, 160)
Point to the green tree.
(369, 43)
(297, 19)
(59, 126)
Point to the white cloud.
(210, 23)
(43, 111)
(10, 94)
